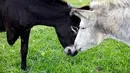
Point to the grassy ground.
(46, 55)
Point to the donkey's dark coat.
(18, 16)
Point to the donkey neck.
(123, 34)
(116, 24)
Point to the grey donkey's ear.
(74, 29)
(79, 12)
(87, 14)
(72, 11)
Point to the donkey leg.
(12, 35)
(24, 48)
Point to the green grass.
(78, 3)
(47, 56)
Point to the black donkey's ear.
(85, 7)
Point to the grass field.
(47, 56)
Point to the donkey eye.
(83, 28)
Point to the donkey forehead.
(86, 23)
(83, 22)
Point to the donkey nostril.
(75, 53)
(69, 52)
(80, 49)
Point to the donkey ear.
(85, 7)
(74, 29)
(87, 14)
(77, 12)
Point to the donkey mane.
(107, 14)
(112, 20)
(109, 4)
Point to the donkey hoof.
(23, 68)
(10, 42)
